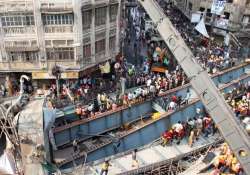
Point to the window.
(112, 43)
(60, 53)
(100, 46)
(23, 56)
(58, 19)
(100, 16)
(86, 51)
(17, 19)
(113, 12)
(227, 15)
(86, 19)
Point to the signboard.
(69, 75)
(218, 6)
(196, 17)
(46, 75)
(41, 75)
(221, 23)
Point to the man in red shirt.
(167, 137)
(207, 125)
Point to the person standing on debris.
(75, 146)
(135, 163)
(105, 168)
(191, 133)
(178, 131)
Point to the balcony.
(86, 4)
(13, 31)
(70, 63)
(19, 46)
(246, 27)
(19, 66)
(16, 6)
(52, 6)
(58, 29)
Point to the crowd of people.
(147, 86)
(193, 128)
(225, 162)
(239, 100)
(211, 55)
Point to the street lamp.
(57, 73)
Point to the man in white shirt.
(172, 105)
(149, 81)
(178, 129)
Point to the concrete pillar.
(118, 20)
(3, 53)
(40, 33)
(107, 50)
(77, 29)
(92, 33)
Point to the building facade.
(234, 18)
(77, 34)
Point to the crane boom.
(203, 85)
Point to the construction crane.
(203, 85)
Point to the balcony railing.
(246, 27)
(51, 6)
(19, 66)
(16, 6)
(21, 46)
(58, 29)
(12, 31)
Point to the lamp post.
(57, 73)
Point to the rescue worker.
(224, 149)
(220, 162)
(235, 166)
(105, 168)
(207, 125)
(167, 137)
(78, 111)
(178, 131)
(134, 160)
(199, 127)
(191, 131)
(75, 146)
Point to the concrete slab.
(152, 155)
(30, 126)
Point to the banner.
(201, 28)
(196, 17)
(218, 6)
(105, 69)
(221, 23)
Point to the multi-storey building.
(37, 34)
(235, 17)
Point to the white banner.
(221, 23)
(218, 6)
(196, 17)
(200, 27)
